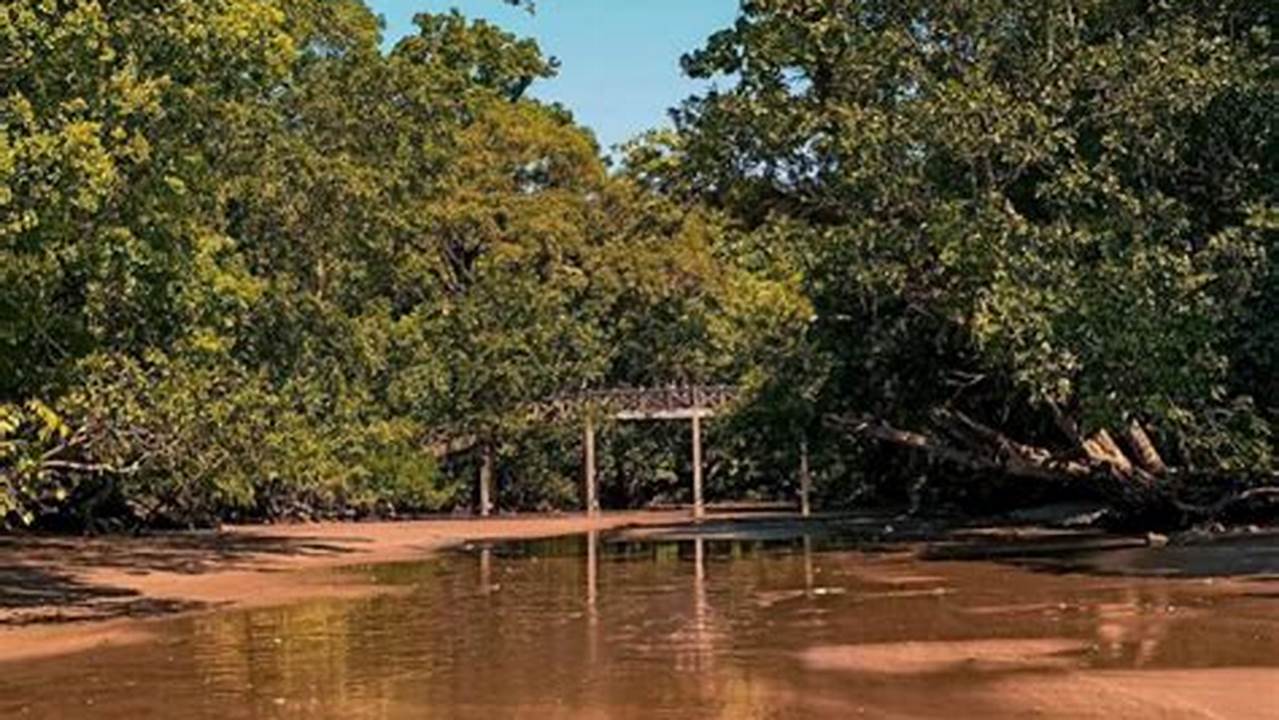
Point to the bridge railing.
(651, 403)
(661, 399)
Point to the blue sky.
(620, 58)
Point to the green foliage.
(255, 266)
(262, 266)
(113, 120)
(27, 434)
(1007, 207)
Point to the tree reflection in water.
(701, 627)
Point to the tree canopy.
(253, 264)
(1056, 217)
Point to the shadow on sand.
(43, 578)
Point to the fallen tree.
(1131, 477)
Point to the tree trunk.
(1143, 450)
(1100, 465)
(1102, 448)
(1039, 465)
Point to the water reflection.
(808, 566)
(592, 572)
(486, 570)
(595, 626)
(702, 650)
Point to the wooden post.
(486, 481)
(805, 480)
(588, 445)
(699, 507)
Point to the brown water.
(596, 627)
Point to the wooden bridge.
(693, 403)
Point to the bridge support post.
(699, 505)
(805, 480)
(588, 452)
(486, 480)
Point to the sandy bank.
(62, 594)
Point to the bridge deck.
(663, 403)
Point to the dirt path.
(60, 594)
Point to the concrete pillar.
(805, 480)
(592, 486)
(486, 481)
(699, 506)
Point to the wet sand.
(64, 594)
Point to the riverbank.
(767, 616)
(64, 594)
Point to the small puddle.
(728, 622)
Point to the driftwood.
(1102, 448)
(1215, 509)
(1143, 450)
(999, 453)
(1134, 479)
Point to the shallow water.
(749, 625)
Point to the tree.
(113, 121)
(1045, 217)
(256, 266)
